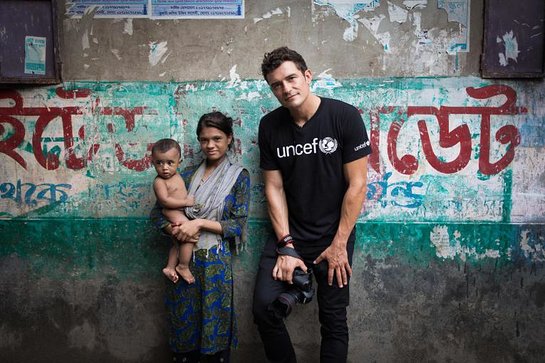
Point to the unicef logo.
(328, 145)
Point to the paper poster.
(218, 9)
(157, 9)
(108, 8)
(35, 55)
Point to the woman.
(201, 314)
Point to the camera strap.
(287, 251)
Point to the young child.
(171, 193)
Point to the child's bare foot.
(171, 274)
(186, 274)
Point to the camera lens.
(300, 292)
(283, 304)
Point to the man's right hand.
(283, 269)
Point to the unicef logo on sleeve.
(328, 145)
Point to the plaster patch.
(157, 52)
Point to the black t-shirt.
(311, 160)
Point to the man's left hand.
(338, 265)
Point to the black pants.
(332, 303)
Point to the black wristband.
(286, 251)
(284, 241)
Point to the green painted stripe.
(132, 248)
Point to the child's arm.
(171, 201)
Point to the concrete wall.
(449, 262)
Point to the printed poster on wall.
(108, 8)
(218, 9)
(157, 9)
(35, 55)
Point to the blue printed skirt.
(201, 315)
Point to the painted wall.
(449, 261)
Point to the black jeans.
(332, 303)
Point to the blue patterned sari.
(201, 315)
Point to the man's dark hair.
(165, 145)
(274, 59)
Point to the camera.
(300, 292)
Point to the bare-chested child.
(171, 193)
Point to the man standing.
(314, 160)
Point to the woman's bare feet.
(186, 274)
(171, 274)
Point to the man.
(314, 160)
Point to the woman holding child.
(201, 313)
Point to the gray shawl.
(210, 197)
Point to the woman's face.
(214, 143)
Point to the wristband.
(284, 241)
(286, 251)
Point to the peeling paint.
(450, 249)
(415, 4)
(325, 81)
(440, 238)
(457, 11)
(373, 24)
(250, 96)
(272, 13)
(383, 24)
(85, 40)
(157, 52)
(397, 13)
(127, 26)
(535, 252)
(116, 53)
(234, 77)
(511, 48)
(348, 10)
